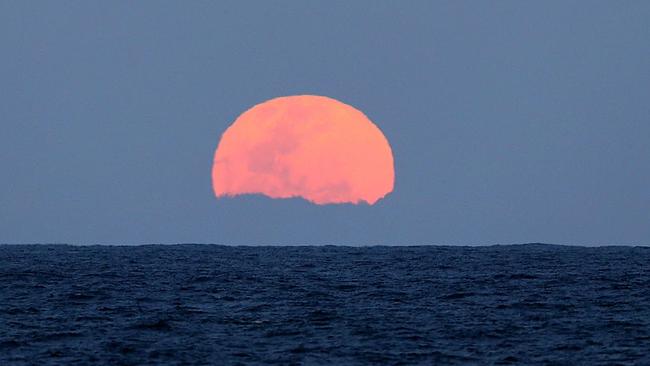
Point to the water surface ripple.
(208, 304)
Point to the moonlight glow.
(305, 146)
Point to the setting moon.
(308, 146)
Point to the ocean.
(310, 305)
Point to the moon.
(308, 146)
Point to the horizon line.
(329, 245)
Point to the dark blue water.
(204, 304)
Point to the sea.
(198, 304)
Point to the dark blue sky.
(509, 121)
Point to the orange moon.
(308, 146)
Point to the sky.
(509, 121)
